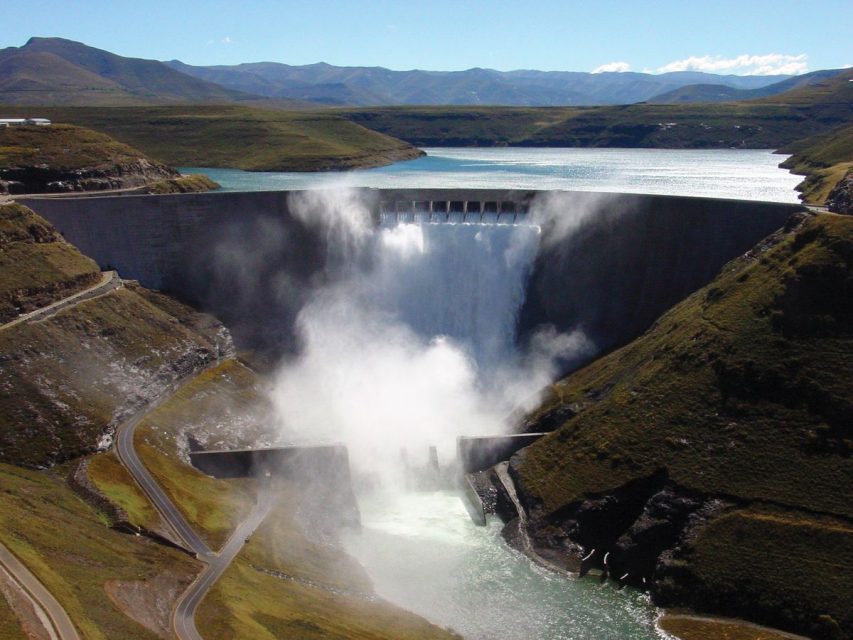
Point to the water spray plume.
(411, 340)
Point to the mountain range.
(374, 86)
(63, 72)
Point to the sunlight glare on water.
(747, 174)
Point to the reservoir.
(722, 173)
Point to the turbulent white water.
(423, 553)
(411, 345)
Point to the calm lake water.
(726, 173)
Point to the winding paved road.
(49, 611)
(109, 282)
(183, 617)
(162, 502)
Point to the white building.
(11, 122)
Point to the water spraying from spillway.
(410, 343)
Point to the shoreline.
(520, 541)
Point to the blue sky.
(720, 36)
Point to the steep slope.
(71, 376)
(711, 456)
(36, 265)
(59, 71)
(825, 160)
(63, 158)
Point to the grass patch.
(10, 626)
(37, 267)
(691, 628)
(117, 485)
(776, 566)
(62, 147)
(824, 160)
(193, 183)
(213, 507)
(216, 407)
(64, 543)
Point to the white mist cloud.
(368, 378)
(561, 213)
(757, 65)
(618, 67)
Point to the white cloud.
(618, 67)
(763, 65)
(227, 40)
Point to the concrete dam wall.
(611, 262)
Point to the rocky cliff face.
(70, 378)
(61, 158)
(840, 199)
(46, 179)
(706, 461)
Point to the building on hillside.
(11, 122)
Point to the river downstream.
(424, 553)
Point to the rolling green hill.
(238, 136)
(711, 456)
(768, 123)
(63, 158)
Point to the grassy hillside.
(93, 571)
(240, 137)
(37, 267)
(72, 373)
(59, 71)
(193, 183)
(62, 157)
(285, 585)
(730, 420)
(62, 146)
(823, 159)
